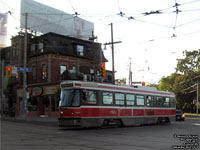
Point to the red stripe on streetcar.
(77, 84)
(114, 112)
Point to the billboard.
(3, 29)
(42, 18)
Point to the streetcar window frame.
(151, 100)
(112, 97)
(120, 100)
(74, 102)
(128, 100)
(84, 97)
(137, 96)
(165, 103)
(172, 102)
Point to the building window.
(119, 99)
(107, 98)
(80, 50)
(41, 47)
(33, 49)
(63, 68)
(140, 100)
(130, 99)
(33, 72)
(44, 71)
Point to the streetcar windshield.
(69, 98)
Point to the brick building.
(53, 58)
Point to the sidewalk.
(39, 119)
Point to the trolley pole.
(25, 64)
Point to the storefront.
(42, 101)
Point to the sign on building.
(46, 19)
(3, 29)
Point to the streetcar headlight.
(61, 112)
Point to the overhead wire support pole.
(25, 65)
(113, 57)
(197, 97)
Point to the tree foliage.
(183, 81)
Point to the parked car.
(180, 115)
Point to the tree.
(120, 81)
(183, 81)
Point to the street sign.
(24, 69)
(14, 70)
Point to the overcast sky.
(153, 32)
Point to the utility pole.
(197, 97)
(130, 74)
(113, 57)
(25, 64)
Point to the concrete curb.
(192, 116)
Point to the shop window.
(44, 71)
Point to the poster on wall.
(44, 19)
(3, 29)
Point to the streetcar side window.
(140, 100)
(172, 103)
(166, 102)
(107, 98)
(159, 101)
(119, 99)
(150, 100)
(130, 99)
(89, 97)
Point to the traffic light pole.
(25, 64)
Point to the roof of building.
(65, 45)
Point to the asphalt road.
(21, 135)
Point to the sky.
(154, 33)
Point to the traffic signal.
(102, 70)
(8, 71)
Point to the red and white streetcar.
(92, 104)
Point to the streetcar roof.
(117, 88)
